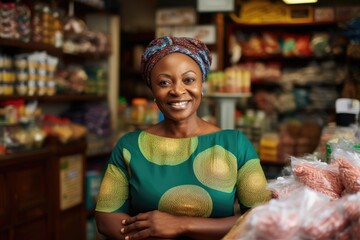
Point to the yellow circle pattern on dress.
(187, 200)
(173, 151)
(112, 195)
(216, 168)
(127, 158)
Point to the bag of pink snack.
(347, 158)
(284, 219)
(319, 176)
(324, 220)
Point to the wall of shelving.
(54, 221)
(298, 69)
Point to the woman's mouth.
(179, 105)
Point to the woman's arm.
(209, 228)
(110, 224)
(156, 224)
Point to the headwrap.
(160, 47)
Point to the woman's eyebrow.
(164, 75)
(189, 72)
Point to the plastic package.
(348, 161)
(282, 218)
(351, 206)
(282, 187)
(319, 176)
(323, 221)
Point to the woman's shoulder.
(128, 138)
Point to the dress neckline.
(202, 135)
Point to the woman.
(180, 177)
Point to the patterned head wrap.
(160, 47)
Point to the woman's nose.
(178, 89)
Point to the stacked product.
(317, 201)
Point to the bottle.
(138, 110)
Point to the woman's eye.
(189, 80)
(164, 83)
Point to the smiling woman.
(180, 177)
(176, 82)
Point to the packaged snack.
(348, 161)
(319, 176)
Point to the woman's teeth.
(179, 103)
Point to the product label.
(71, 181)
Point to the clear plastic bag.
(282, 187)
(348, 161)
(282, 218)
(319, 176)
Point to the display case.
(43, 193)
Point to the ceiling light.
(299, 1)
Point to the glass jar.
(138, 110)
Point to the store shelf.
(23, 156)
(293, 24)
(58, 98)
(96, 56)
(291, 59)
(14, 43)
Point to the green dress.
(197, 176)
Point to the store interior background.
(288, 116)
(288, 109)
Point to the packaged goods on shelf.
(268, 149)
(260, 12)
(232, 80)
(15, 21)
(28, 74)
(20, 125)
(63, 129)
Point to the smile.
(182, 103)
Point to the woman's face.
(176, 83)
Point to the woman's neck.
(185, 129)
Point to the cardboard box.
(205, 33)
(324, 14)
(175, 16)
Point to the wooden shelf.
(87, 56)
(23, 155)
(14, 43)
(299, 24)
(295, 59)
(32, 46)
(58, 98)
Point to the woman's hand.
(154, 224)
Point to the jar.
(21, 88)
(138, 110)
(21, 75)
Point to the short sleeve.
(251, 181)
(114, 190)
